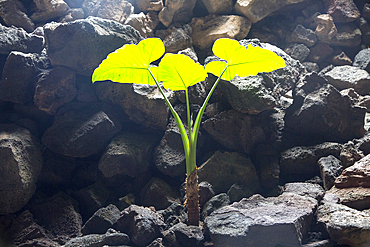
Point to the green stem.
(184, 137)
(194, 137)
(190, 166)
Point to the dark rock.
(17, 39)
(280, 81)
(353, 197)
(144, 23)
(262, 221)
(363, 143)
(341, 59)
(357, 175)
(91, 198)
(55, 88)
(82, 129)
(348, 35)
(159, 194)
(74, 3)
(20, 76)
(13, 13)
(345, 225)
(267, 164)
(342, 10)
(319, 53)
(365, 30)
(362, 60)
(248, 94)
(58, 216)
(206, 30)
(141, 224)
(300, 163)
(158, 242)
(20, 165)
(150, 5)
(92, 37)
(297, 51)
(72, 15)
(188, 236)
(350, 154)
(346, 76)
(311, 67)
(205, 192)
(169, 155)
(314, 191)
(47, 10)
(24, 231)
(302, 35)
(127, 154)
(175, 39)
(110, 238)
(223, 169)
(102, 220)
(144, 104)
(235, 131)
(177, 11)
(330, 169)
(325, 114)
(117, 10)
(256, 10)
(174, 214)
(215, 203)
(218, 7)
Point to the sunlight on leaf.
(242, 61)
(130, 63)
(177, 72)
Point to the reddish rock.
(357, 175)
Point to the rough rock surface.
(13, 13)
(256, 10)
(118, 10)
(127, 154)
(17, 39)
(208, 29)
(344, 224)
(82, 44)
(20, 165)
(142, 224)
(357, 175)
(223, 169)
(176, 11)
(82, 129)
(47, 10)
(262, 221)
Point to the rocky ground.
(284, 157)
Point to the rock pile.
(283, 156)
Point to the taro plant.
(132, 64)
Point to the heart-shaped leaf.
(130, 63)
(242, 61)
(178, 72)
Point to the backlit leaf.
(178, 71)
(130, 63)
(242, 61)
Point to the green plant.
(132, 64)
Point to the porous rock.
(144, 23)
(330, 169)
(93, 38)
(47, 9)
(342, 10)
(17, 39)
(256, 10)
(20, 76)
(208, 29)
(142, 103)
(117, 10)
(142, 224)
(262, 221)
(344, 224)
(21, 163)
(176, 11)
(82, 129)
(362, 60)
(223, 169)
(127, 154)
(102, 220)
(13, 13)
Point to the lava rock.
(110, 238)
(20, 166)
(215, 203)
(118, 10)
(92, 37)
(330, 169)
(13, 13)
(82, 129)
(262, 221)
(176, 11)
(188, 236)
(102, 220)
